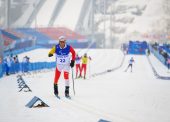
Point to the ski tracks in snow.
(75, 104)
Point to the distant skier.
(62, 51)
(78, 68)
(84, 64)
(131, 61)
(16, 62)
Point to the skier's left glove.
(72, 63)
(49, 55)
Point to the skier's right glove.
(49, 55)
(72, 63)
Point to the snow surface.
(117, 96)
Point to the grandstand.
(54, 33)
(45, 37)
(101, 23)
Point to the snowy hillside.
(117, 96)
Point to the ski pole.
(73, 82)
(89, 70)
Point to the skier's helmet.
(62, 38)
(85, 54)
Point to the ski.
(68, 97)
(57, 96)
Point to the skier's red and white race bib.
(64, 59)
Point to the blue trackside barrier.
(19, 51)
(41, 65)
(166, 47)
(26, 67)
(159, 56)
(155, 72)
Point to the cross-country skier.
(78, 68)
(84, 64)
(131, 61)
(62, 51)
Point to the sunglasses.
(62, 41)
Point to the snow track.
(117, 96)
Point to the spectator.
(25, 63)
(16, 64)
(7, 62)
